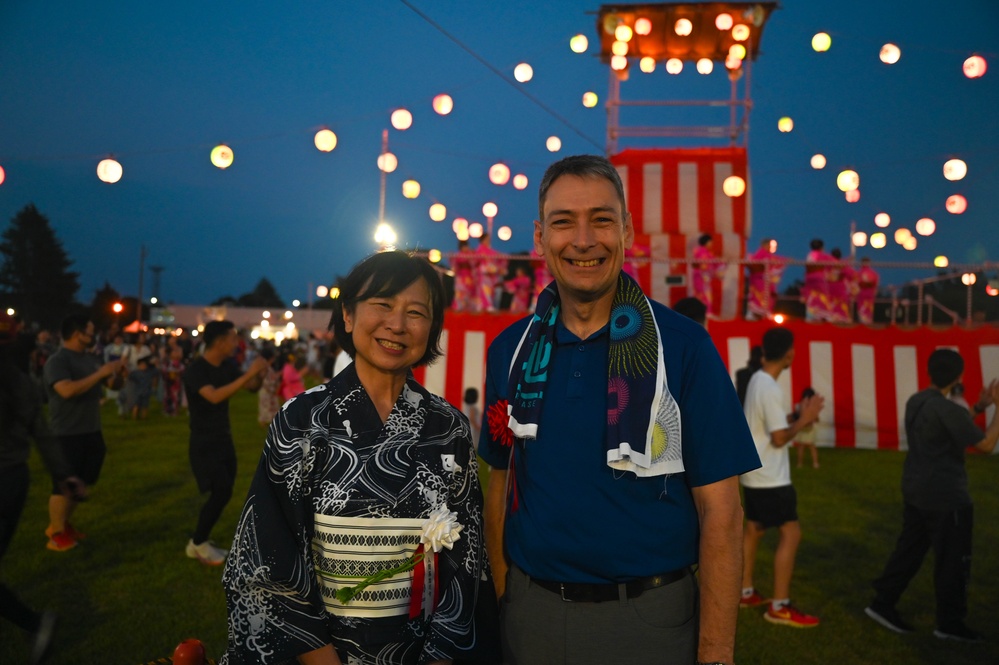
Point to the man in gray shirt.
(73, 378)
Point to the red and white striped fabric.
(676, 195)
(865, 374)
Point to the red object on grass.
(190, 652)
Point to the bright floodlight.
(109, 171)
(956, 204)
(385, 236)
(504, 233)
(734, 186)
(683, 27)
(438, 212)
(520, 181)
(410, 189)
(847, 180)
(705, 66)
(975, 66)
(882, 220)
(222, 156)
(941, 261)
(890, 54)
(325, 140)
(859, 239)
(818, 161)
(821, 42)
(490, 209)
(266, 314)
(402, 119)
(590, 99)
(878, 240)
(674, 65)
(785, 124)
(579, 44)
(443, 104)
(499, 173)
(955, 169)
(523, 72)
(387, 162)
(554, 144)
(296, 302)
(926, 226)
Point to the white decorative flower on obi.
(441, 530)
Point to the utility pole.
(142, 270)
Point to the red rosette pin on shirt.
(498, 420)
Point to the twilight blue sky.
(159, 84)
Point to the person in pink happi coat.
(867, 288)
(764, 277)
(816, 289)
(704, 270)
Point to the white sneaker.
(207, 553)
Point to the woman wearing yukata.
(361, 540)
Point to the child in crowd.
(293, 377)
(172, 369)
(806, 436)
(268, 399)
(139, 387)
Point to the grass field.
(128, 594)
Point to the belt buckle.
(561, 590)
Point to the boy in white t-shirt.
(770, 499)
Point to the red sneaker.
(60, 542)
(753, 600)
(70, 531)
(789, 615)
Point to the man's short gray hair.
(593, 166)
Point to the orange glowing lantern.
(732, 63)
(554, 144)
(901, 235)
(956, 204)
(674, 65)
(818, 161)
(647, 65)
(402, 119)
(504, 233)
(882, 220)
(821, 42)
(910, 243)
(109, 171)
(740, 33)
(890, 54)
(705, 66)
(623, 33)
(847, 180)
(3, 175)
(683, 27)
(785, 124)
(222, 156)
(643, 26)
(499, 174)
(579, 44)
(734, 186)
(955, 169)
(523, 72)
(438, 212)
(590, 99)
(325, 140)
(410, 189)
(926, 226)
(878, 240)
(724, 22)
(520, 181)
(852, 196)
(387, 162)
(443, 104)
(975, 66)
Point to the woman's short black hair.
(382, 275)
(945, 366)
(704, 239)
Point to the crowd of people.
(617, 447)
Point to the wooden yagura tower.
(676, 194)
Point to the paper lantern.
(975, 66)
(674, 65)
(322, 291)
(890, 54)
(955, 169)
(941, 261)
(459, 224)
(738, 51)
(818, 161)
(878, 240)
(902, 234)
(647, 65)
(438, 212)
(926, 226)
(387, 162)
(619, 48)
(859, 239)
(410, 189)
(434, 256)
(520, 181)
(590, 99)
(852, 196)
(109, 171)
(462, 234)
(402, 119)
(740, 33)
(724, 22)
(683, 27)
(490, 209)
(643, 26)
(3, 175)
(325, 140)
(910, 243)
(882, 220)
(821, 42)
(785, 124)
(579, 44)
(969, 278)
(847, 180)
(956, 204)
(222, 156)
(732, 63)
(623, 33)
(443, 104)
(499, 174)
(504, 233)
(523, 72)
(734, 186)
(475, 230)
(619, 63)
(554, 144)
(705, 66)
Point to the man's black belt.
(595, 593)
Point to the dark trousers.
(949, 533)
(13, 494)
(220, 484)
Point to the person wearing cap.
(73, 379)
(616, 440)
(937, 509)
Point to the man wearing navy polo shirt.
(616, 440)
